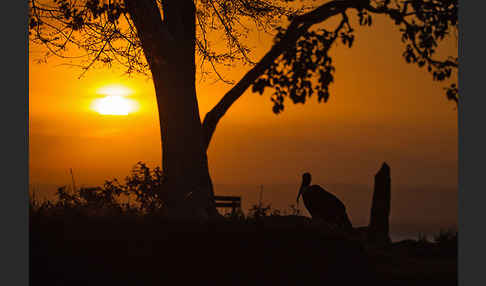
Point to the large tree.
(165, 39)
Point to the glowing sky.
(380, 109)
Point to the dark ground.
(80, 250)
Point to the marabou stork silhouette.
(322, 204)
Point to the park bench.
(228, 202)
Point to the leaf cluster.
(293, 74)
(424, 24)
(145, 184)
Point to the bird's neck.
(303, 186)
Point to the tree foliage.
(293, 73)
(423, 24)
(101, 31)
(297, 66)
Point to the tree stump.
(378, 229)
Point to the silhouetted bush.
(422, 238)
(142, 185)
(259, 210)
(294, 210)
(446, 237)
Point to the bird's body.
(322, 204)
(314, 194)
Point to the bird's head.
(306, 180)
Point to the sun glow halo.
(115, 101)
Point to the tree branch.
(152, 31)
(298, 26)
(396, 15)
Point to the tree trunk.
(169, 47)
(187, 182)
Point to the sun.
(115, 101)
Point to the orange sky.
(380, 109)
